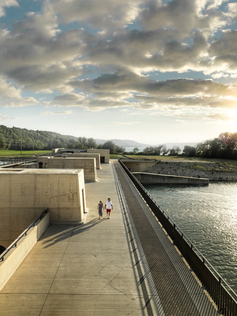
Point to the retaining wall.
(139, 165)
(150, 178)
(17, 254)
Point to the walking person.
(109, 207)
(100, 208)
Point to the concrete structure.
(87, 164)
(139, 165)
(84, 154)
(104, 154)
(26, 193)
(32, 165)
(214, 171)
(100, 268)
(151, 178)
(17, 254)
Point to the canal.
(207, 215)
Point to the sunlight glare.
(233, 114)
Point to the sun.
(233, 114)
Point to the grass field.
(114, 156)
(18, 153)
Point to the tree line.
(224, 146)
(23, 139)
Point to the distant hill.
(21, 138)
(122, 142)
(132, 143)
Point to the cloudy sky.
(153, 70)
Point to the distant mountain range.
(15, 138)
(132, 143)
(122, 142)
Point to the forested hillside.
(17, 138)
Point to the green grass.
(114, 156)
(25, 153)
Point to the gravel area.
(213, 171)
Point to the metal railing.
(224, 297)
(23, 234)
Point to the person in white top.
(109, 207)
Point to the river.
(207, 215)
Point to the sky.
(152, 71)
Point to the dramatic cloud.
(11, 97)
(114, 90)
(106, 15)
(118, 54)
(224, 50)
(70, 99)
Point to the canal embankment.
(151, 178)
(214, 171)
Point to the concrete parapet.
(104, 154)
(139, 165)
(151, 178)
(84, 154)
(25, 193)
(87, 164)
(16, 255)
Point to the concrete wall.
(104, 154)
(139, 165)
(87, 164)
(17, 254)
(55, 150)
(151, 178)
(26, 193)
(84, 154)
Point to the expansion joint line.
(56, 272)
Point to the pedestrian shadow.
(64, 232)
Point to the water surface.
(207, 215)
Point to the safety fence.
(224, 297)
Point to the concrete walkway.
(79, 270)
